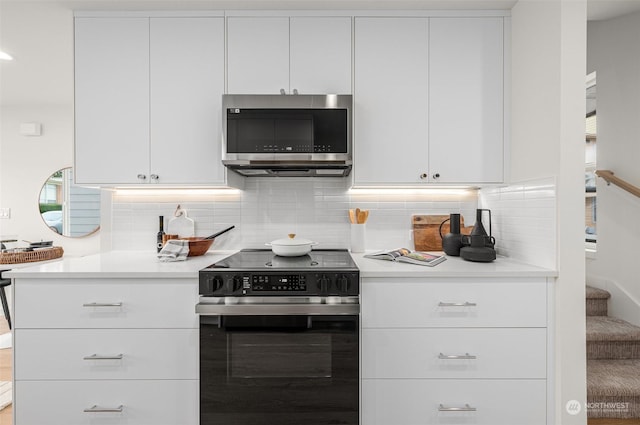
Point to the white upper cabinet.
(391, 100)
(111, 99)
(311, 55)
(187, 83)
(320, 51)
(466, 100)
(148, 100)
(257, 55)
(429, 100)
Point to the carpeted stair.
(613, 361)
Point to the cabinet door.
(257, 55)
(391, 100)
(107, 354)
(111, 100)
(504, 353)
(320, 55)
(443, 401)
(187, 83)
(466, 100)
(454, 303)
(123, 402)
(105, 303)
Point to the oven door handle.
(204, 309)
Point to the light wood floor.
(613, 422)
(5, 373)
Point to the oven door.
(279, 369)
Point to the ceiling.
(597, 9)
(39, 33)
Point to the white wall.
(26, 162)
(37, 86)
(548, 104)
(614, 54)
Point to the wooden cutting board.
(426, 235)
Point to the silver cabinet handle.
(464, 304)
(423, 176)
(465, 356)
(118, 304)
(154, 177)
(436, 176)
(465, 408)
(282, 91)
(295, 91)
(142, 176)
(99, 357)
(97, 409)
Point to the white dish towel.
(174, 250)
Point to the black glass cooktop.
(265, 259)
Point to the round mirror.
(67, 209)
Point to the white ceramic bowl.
(291, 247)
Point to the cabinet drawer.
(143, 402)
(454, 353)
(422, 402)
(121, 303)
(454, 303)
(94, 354)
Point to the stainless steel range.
(279, 339)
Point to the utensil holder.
(358, 237)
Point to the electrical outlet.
(5, 212)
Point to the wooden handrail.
(610, 178)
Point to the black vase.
(452, 241)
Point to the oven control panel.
(325, 283)
(284, 283)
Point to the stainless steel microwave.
(287, 135)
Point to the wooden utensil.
(352, 216)
(358, 215)
(362, 216)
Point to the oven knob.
(343, 283)
(237, 283)
(215, 283)
(323, 284)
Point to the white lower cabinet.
(148, 402)
(459, 353)
(454, 351)
(106, 351)
(446, 401)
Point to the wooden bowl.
(198, 246)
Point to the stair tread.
(613, 378)
(606, 328)
(596, 293)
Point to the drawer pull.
(465, 356)
(99, 357)
(464, 304)
(97, 409)
(465, 408)
(119, 304)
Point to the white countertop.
(145, 264)
(132, 264)
(451, 267)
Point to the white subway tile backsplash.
(268, 209)
(524, 220)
